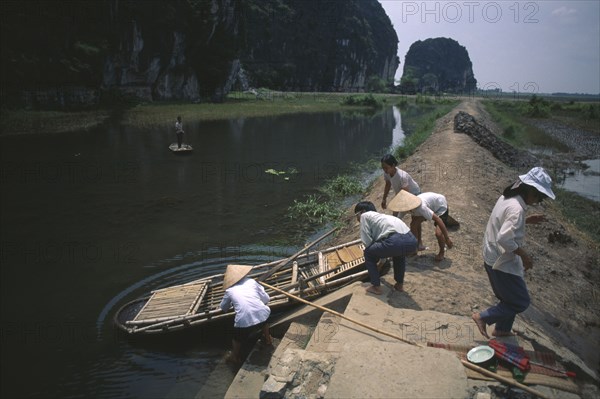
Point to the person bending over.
(384, 236)
(249, 301)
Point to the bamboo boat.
(179, 307)
(185, 148)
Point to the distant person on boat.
(179, 131)
(426, 206)
(249, 300)
(505, 260)
(384, 236)
(397, 179)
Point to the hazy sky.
(530, 46)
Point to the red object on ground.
(512, 354)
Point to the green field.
(236, 105)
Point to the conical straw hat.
(404, 202)
(235, 273)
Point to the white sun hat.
(540, 180)
(235, 273)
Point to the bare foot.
(374, 289)
(480, 324)
(399, 287)
(233, 360)
(497, 333)
(422, 248)
(439, 257)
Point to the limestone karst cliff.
(437, 65)
(79, 54)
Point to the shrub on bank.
(318, 209)
(364, 101)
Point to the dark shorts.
(243, 333)
(444, 217)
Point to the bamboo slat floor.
(173, 302)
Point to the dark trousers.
(512, 292)
(396, 246)
(179, 139)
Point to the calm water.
(91, 220)
(586, 183)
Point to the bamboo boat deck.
(343, 259)
(197, 302)
(172, 302)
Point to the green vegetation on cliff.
(437, 65)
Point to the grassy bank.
(236, 105)
(581, 212)
(24, 121)
(327, 205)
(245, 105)
(512, 117)
(421, 126)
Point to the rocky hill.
(333, 45)
(437, 65)
(77, 54)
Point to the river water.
(584, 182)
(93, 219)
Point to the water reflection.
(397, 133)
(94, 218)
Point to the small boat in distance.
(185, 148)
(196, 303)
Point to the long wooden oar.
(464, 362)
(505, 380)
(340, 315)
(287, 261)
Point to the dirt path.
(561, 284)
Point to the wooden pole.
(503, 379)
(294, 256)
(464, 362)
(340, 315)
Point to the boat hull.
(185, 148)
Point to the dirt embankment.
(563, 282)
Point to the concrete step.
(251, 377)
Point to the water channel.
(93, 219)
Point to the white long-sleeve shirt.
(375, 225)
(505, 232)
(249, 300)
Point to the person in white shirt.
(505, 260)
(249, 300)
(384, 236)
(431, 206)
(396, 178)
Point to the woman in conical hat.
(504, 256)
(249, 300)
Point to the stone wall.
(465, 123)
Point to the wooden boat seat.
(344, 258)
(171, 302)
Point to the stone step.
(287, 354)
